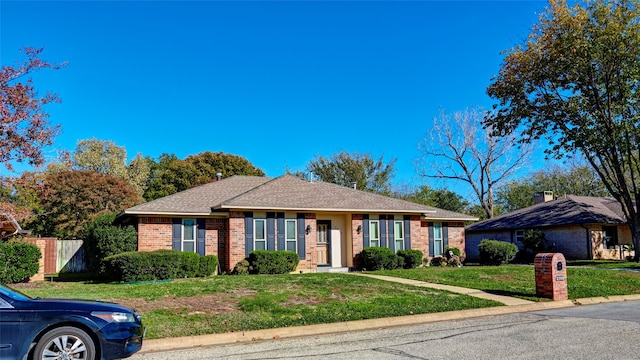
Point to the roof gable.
(568, 210)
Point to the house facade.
(326, 224)
(579, 227)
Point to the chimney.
(542, 197)
(218, 176)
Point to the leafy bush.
(380, 258)
(494, 252)
(454, 250)
(208, 266)
(438, 261)
(272, 262)
(241, 268)
(18, 262)
(411, 258)
(159, 265)
(103, 239)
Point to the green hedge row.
(18, 262)
(494, 252)
(159, 265)
(273, 262)
(383, 258)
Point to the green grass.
(519, 280)
(236, 303)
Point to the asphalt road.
(605, 331)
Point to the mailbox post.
(551, 276)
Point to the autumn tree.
(71, 199)
(169, 174)
(579, 180)
(105, 157)
(576, 84)
(24, 126)
(459, 149)
(346, 169)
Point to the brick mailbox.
(551, 276)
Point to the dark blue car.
(39, 329)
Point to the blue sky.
(275, 82)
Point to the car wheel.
(65, 343)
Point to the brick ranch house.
(326, 224)
(579, 227)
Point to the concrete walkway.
(507, 300)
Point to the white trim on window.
(438, 248)
(374, 233)
(290, 234)
(259, 234)
(398, 234)
(189, 231)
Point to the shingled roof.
(567, 210)
(285, 193)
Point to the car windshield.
(13, 294)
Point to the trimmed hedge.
(380, 258)
(273, 262)
(159, 265)
(411, 258)
(494, 252)
(18, 262)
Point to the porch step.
(327, 269)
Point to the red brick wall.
(154, 233)
(234, 249)
(357, 244)
(41, 243)
(456, 237)
(310, 263)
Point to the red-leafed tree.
(24, 126)
(68, 200)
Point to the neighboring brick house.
(326, 224)
(579, 227)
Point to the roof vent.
(542, 196)
(354, 185)
(218, 176)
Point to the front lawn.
(236, 303)
(519, 280)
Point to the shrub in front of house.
(159, 265)
(103, 239)
(411, 258)
(380, 258)
(454, 250)
(494, 252)
(241, 268)
(273, 262)
(19, 261)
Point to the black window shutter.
(281, 231)
(248, 233)
(200, 236)
(271, 231)
(407, 232)
(176, 238)
(365, 231)
(392, 231)
(431, 239)
(445, 235)
(383, 231)
(302, 249)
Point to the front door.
(323, 247)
